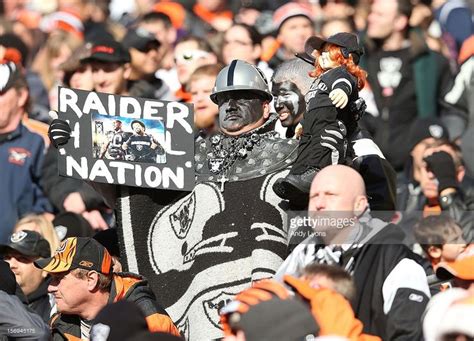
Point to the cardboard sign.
(127, 140)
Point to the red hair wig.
(336, 55)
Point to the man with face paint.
(200, 248)
(290, 82)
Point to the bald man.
(392, 290)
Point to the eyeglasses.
(190, 55)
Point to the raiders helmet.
(240, 75)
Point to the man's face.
(328, 195)
(27, 275)
(238, 45)
(109, 77)
(138, 129)
(294, 32)
(380, 22)
(68, 291)
(289, 103)
(205, 110)
(188, 57)
(146, 62)
(240, 111)
(117, 125)
(10, 107)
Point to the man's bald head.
(338, 188)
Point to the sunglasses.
(190, 55)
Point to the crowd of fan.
(419, 58)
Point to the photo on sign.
(127, 139)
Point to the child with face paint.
(329, 117)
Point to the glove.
(442, 166)
(59, 132)
(339, 98)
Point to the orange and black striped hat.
(78, 252)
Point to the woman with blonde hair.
(43, 226)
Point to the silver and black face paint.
(289, 103)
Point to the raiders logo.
(436, 131)
(182, 218)
(18, 236)
(215, 165)
(139, 147)
(213, 306)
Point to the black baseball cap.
(346, 40)
(27, 243)
(108, 50)
(424, 128)
(78, 252)
(139, 122)
(140, 39)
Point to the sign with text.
(127, 140)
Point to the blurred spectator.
(38, 93)
(206, 111)
(330, 277)
(461, 96)
(161, 26)
(456, 22)
(190, 53)
(457, 323)
(209, 16)
(441, 188)
(335, 25)
(370, 250)
(294, 26)
(407, 79)
(21, 154)
(38, 223)
(440, 238)
(16, 321)
(144, 52)
(23, 248)
(57, 50)
(67, 194)
(83, 283)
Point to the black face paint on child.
(238, 109)
(289, 103)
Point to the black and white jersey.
(139, 146)
(114, 149)
(337, 78)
